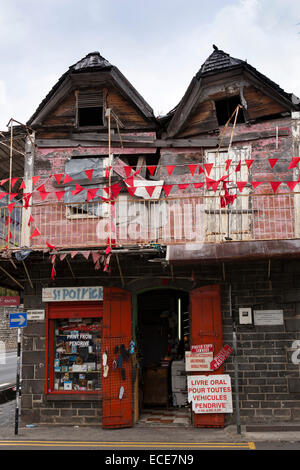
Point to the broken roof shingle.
(217, 61)
(91, 60)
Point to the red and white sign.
(12, 301)
(197, 361)
(210, 393)
(220, 357)
(201, 348)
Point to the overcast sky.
(159, 45)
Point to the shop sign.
(10, 301)
(71, 294)
(220, 357)
(36, 315)
(210, 393)
(197, 361)
(201, 348)
(268, 317)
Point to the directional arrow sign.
(18, 320)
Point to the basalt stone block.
(294, 385)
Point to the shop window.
(74, 348)
(225, 108)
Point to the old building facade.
(143, 237)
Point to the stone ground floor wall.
(267, 356)
(8, 336)
(268, 368)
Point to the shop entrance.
(161, 330)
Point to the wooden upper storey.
(92, 85)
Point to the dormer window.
(225, 108)
(90, 109)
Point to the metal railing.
(129, 222)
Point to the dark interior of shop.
(162, 337)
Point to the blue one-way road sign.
(18, 320)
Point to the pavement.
(141, 433)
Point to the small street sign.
(18, 320)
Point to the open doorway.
(162, 334)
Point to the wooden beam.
(27, 274)
(12, 278)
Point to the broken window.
(77, 204)
(90, 109)
(226, 107)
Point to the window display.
(77, 355)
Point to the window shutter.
(90, 100)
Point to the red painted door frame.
(117, 331)
(206, 328)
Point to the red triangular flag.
(167, 188)
(198, 185)
(13, 181)
(59, 194)
(151, 169)
(50, 246)
(129, 181)
(22, 185)
(67, 179)
(256, 183)
(131, 190)
(12, 195)
(53, 273)
(294, 163)
(2, 194)
(201, 170)
(108, 250)
(170, 169)
(11, 207)
(43, 195)
(227, 164)
(86, 254)
(238, 167)
(128, 170)
(183, 186)
(31, 219)
(192, 169)
(272, 161)
(208, 167)
(275, 185)
(35, 233)
(77, 189)
(8, 220)
(3, 181)
(115, 189)
(150, 189)
(91, 193)
(35, 179)
(107, 171)
(241, 185)
(58, 177)
(249, 163)
(8, 236)
(291, 184)
(41, 188)
(89, 174)
(212, 184)
(26, 197)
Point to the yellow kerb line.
(247, 445)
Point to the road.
(8, 369)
